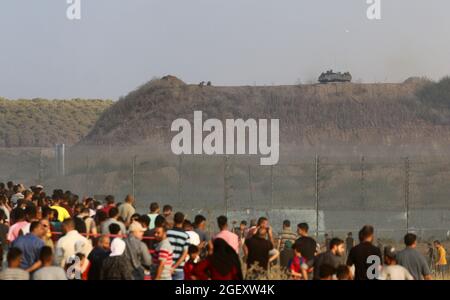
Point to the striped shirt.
(179, 240)
(163, 253)
(14, 274)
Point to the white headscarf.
(117, 247)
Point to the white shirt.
(70, 244)
(395, 272)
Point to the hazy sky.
(119, 44)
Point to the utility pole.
(407, 174)
(317, 162)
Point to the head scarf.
(117, 247)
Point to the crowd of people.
(63, 237)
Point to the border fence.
(333, 194)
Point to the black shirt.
(258, 251)
(358, 256)
(307, 246)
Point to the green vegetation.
(42, 123)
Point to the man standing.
(97, 256)
(162, 256)
(179, 240)
(257, 250)
(412, 260)
(200, 229)
(136, 251)
(349, 242)
(286, 236)
(31, 245)
(391, 270)
(71, 243)
(154, 212)
(14, 272)
(113, 219)
(334, 257)
(360, 253)
(441, 264)
(229, 237)
(48, 270)
(126, 210)
(306, 244)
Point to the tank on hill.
(330, 76)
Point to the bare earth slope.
(319, 114)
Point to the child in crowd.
(194, 253)
(298, 266)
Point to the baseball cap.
(390, 252)
(136, 226)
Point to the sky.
(117, 45)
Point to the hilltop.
(315, 114)
(42, 123)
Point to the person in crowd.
(113, 218)
(194, 237)
(47, 233)
(48, 271)
(343, 272)
(167, 214)
(16, 229)
(412, 260)
(126, 210)
(97, 256)
(441, 263)
(154, 212)
(179, 240)
(62, 212)
(13, 271)
(358, 254)
(257, 249)
(193, 252)
(205, 240)
(5, 208)
(287, 254)
(286, 234)
(162, 256)
(89, 222)
(306, 244)
(391, 270)
(116, 266)
(71, 243)
(327, 272)
(31, 245)
(149, 234)
(110, 203)
(298, 266)
(229, 237)
(4, 228)
(327, 241)
(222, 264)
(334, 256)
(136, 251)
(349, 242)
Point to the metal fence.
(334, 195)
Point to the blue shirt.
(31, 246)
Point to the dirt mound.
(317, 114)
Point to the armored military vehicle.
(330, 76)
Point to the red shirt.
(204, 267)
(188, 268)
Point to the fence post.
(250, 187)
(180, 163)
(87, 175)
(271, 187)
(363, 187)
(317, 189)
(225, 184)
(133, 176)
(41, 167)
(407, 174)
